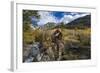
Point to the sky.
(57, 17)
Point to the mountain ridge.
(82, 22)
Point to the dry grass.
(71, 37)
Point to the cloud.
(66, 18)
(46, 17)
(72, 16)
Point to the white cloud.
(46, 17)
(67, 18)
